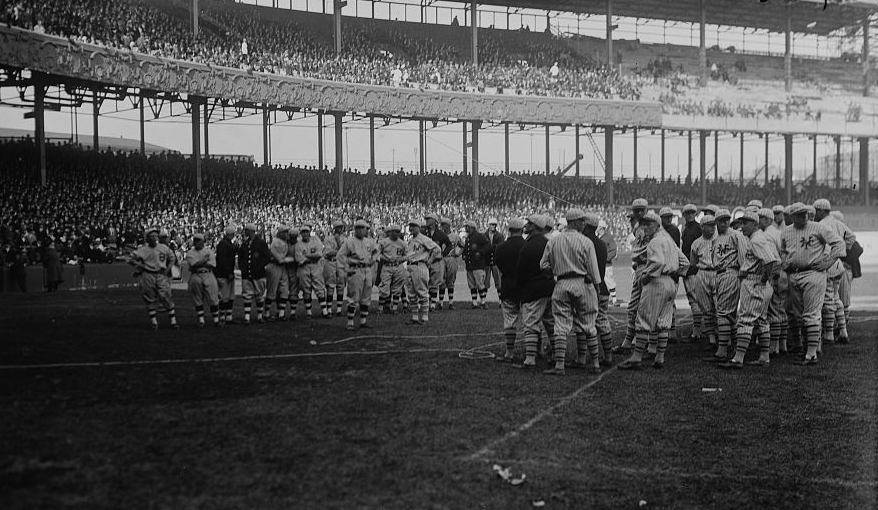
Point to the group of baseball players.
(781, 274)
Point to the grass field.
(260, 417)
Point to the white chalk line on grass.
(262, 357)
(851, 484)
(408, 337)
(536, 419)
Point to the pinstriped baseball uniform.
(728, 251)
(663, 260)
(638, 258)
(832, 303)
(334, 276)
(393, 274)
(755, 295)
(704, 282)
(802, 250)
(777, 312)
(421, 251)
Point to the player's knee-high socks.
(282, 308)
(560, 353)
(709, 328)
(247, 308)
(531, 344)
(607, 345)
(425, 311)
(434, 298)
(841, 324)
(214, 312)
(742, 343)
(394, 303)
(153, 321)
(812, 334)
(199, 311)
(483, 296)
(828, 315)
(268, 303)
(352, 310)
(323, 305)
(697, 324)
(172, 314)
(774, 338)
(588, 345)
(661, 346)
(764, 340)
(509, 336)
(630, 335)
(723, 333)
(364, 314)
(641, 339)
(474, 293)
(782, 340)
(308, 305)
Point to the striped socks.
(153, 321)
(661, 346)
(475, 296)
(607, 345)
(352, 310)
(774, 337)
(641, 339)
(199, 311)
(764, 340)
(812, 334)
(560, 351)
(742, 343)
(509, 336)
(364, 314)
(531, 344)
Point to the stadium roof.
(807, 16)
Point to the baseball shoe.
(575, 365)
(153, 327)
(438, 306)
(503, 359)
(715, 359)
(366, 325)
(351, 327)
(200, 325)
(451, 306)
(175, 326)
(524, 366)
(260, 320)
(412, 322)
(658, 365)
(844, 340)
(733, 365)
(484, 306)
(629, 365)
(806, 361)
(757, 363)
(554, 371)
(607, 363)
(621, 350)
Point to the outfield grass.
(404, 423)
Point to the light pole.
(393, 160)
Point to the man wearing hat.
(202, 283)
(152, 262)
(602, 321)
(357, 256)
(710, 209)
(667, 216)
(506, 260)
(491, 270)
(638, 259)
(451, 263)
(779, 212)
(571, 258)
(475, 255)
(691, 232)
(852, 270)
(253, 256)
(604, 234)
(277, 273)
(808, 250)
(757, 268)
(833, 309)
(309, 257)
(392, 253)
(225, 272)
(754, 203)
(536, 289)
(703, 278)
(658, 279)
(421, 251)
(728, 247)
(437, 268)
(777, 313)
(333, 275)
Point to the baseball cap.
(592, 219)
(752, 208)
(430, 216)
(231, 230)
(835, 213)
(712, 209)
(708, 219)
(470, 223)
(492, 221)
(796, 208)
(360, 224)
(393, 227)
(666, 211)
(198, 237)
(294, 232)
(689, 208)
(722, 213)
(283, 228)
(150, 230)
(651, 217)
(164, 233)
(573, 214)
(822, 204)
(765, 213)
(305, 228)
(757, 203)
(749, 216)
(778, 209)
(639, 203)
(538, 220)
(445, 221)
(337, 223)
(250, 226)
(516, 224)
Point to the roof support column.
(474, 13)
(864, 170)
(702, 164)
(663, 156)
(421, 158)
(788, 167)
(702, 41)
(195, 108)
(608, 163)
(635, 155)
(610, 34)
(766, 161)
(40, 126)
(475, 156)
(206, 134)
(837, 162)
(548, 162)
(741, 176)
(465, 150)
(814, 157)
(142, 127)
(578, 157)
(506, 147)
(866, 56)
(339, 155)
(372, 143)
(336, 23)
(320, 140)
(266, 152)
(689, 175)
(716, 156)
(788, 53)
(96, 109)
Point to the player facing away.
(152, 262)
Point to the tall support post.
(788, 166)
(475, 156)
(195, 104)
(741, 176)
(194, 17)
(702, 164)
(339, 155)
(716, 156)
(506, 148)
(206, 133)
(766, 161)
(635, 155)
(96, 109)
(837, 162)
(865, 56)
(702, 41)
(864, 171)
(266, 156)
(689, 174)
(336, 24)
(548, 153)
(788, 52)
(421, 160)
(578, 158)
(142, 126)
(608, 162)
(320, 140)
(372, 143)
(814, 157)
(610, 34)
(465, 150)
(663, 155)
(40, 127)
(474, 13)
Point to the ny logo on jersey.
(722, 249)
(750, 256)
(811, 240)
(162, 257)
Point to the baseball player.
(664, 262)
(392, 255)
(333, 275)
(777, 312)
(506, 260)
(452, 263)
(437, 268)
(536, 289)
(571, 258)
(202, 283)
(728, 248)
(702, 279)
(602, 321)
(491, 270)
(421, 252)
(667, 216)
(638, 259)
(757, 268)
(152, 262)
(779, 216)
(225, 272)
(309, 257)
(852, 270)
(691, 232)
(277, 273)
(253, 255)
(357, 256)
(806, 260)
(795, 334)
(475, 254)
(833, 309)
(606, 236)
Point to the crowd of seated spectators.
(96, 205)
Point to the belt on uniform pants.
(331, 259)
(794, 270)
(570, 276)
(713, 269)
(391, 264)
(424, 262)
(309, 261)
(359, 266)
(202, 271)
